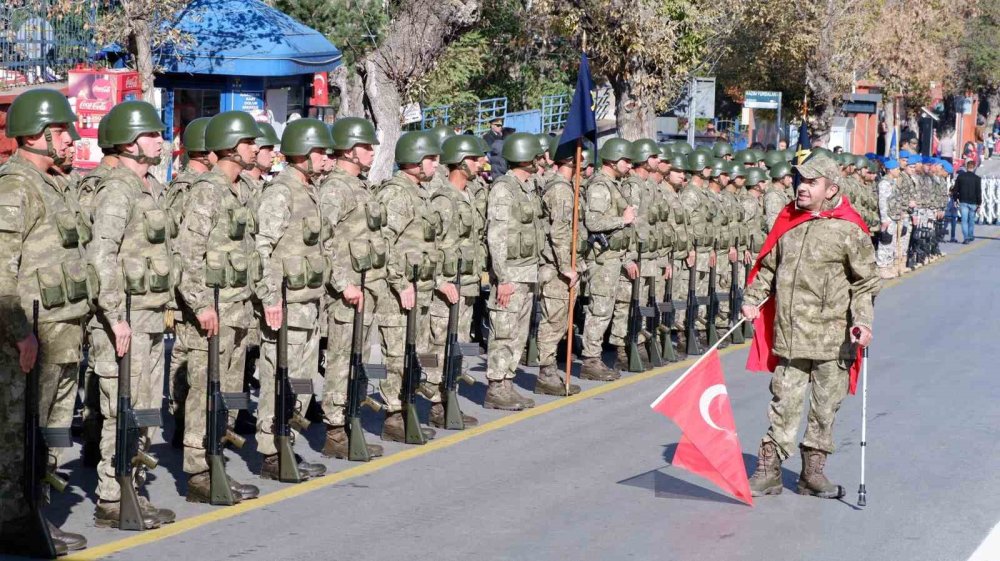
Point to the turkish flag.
(699, 403)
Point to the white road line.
(989, 550)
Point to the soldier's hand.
(628, 216)
(861, 335)
(668, 273)
(692, 258)
(632, 270)
(209, 321)
(450, 292)
(885, 226)
(571, 277)
(123, 337)
(750, 312)
(733, 255)
(504, 292)
(353, 296)
(27, 350)
(408, 298)
(712, 259)
(747, 258)
(273, 316)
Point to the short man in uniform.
(890, 211)
(821, 274)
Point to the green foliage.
(980, 49)
(354, 26)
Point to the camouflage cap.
(819, 165)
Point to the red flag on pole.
(699, 403)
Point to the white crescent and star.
(706, 400)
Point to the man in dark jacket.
(969, 192)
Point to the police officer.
(130, 253)
(41, 238)
(412, 232)
(610, 216)
(288, 248)
(213, 246)
(515, 237)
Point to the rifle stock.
(453, 358)
(286, 390)
(412, 373)
(691, 315)
(357, 387)
(531, 354)
(711, 331)
(668, 308)
(654, 324)
(735, 302)
(218, 433)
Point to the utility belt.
(66, 283)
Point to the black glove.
(885, 237)
(903, 233)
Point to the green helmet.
(666, 151)
(485, 146)
(615, 149)
(268, 136)
(682, 148)
(74, 135)
(414, 146)
(773, 158)
(744, 157)
(789, 154)
(227, 129)
(873, 166)
(758, 155)
(643, 148)
(697, 161)
(719, 167)
(129, 119)
(441, 133)
(754, 176)
(194, 135)
(781, 170)
(34, 110)
(736, 170)
(722, 149)
(303, 135)
(350, 131)
(860, 162)
(457, 148)
(522, 147)
(587, 158)
(102, 134)
(820, 150)
(678, 162)
(547, 143)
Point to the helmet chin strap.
(141, 158)
(49, 151)
(309, 171)
(235, 158)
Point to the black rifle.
(735, 302)
(636, 313)
(531, 354)
(481, 317)
(654, 326)
(218, 433)
(413, 372)
(668, 308)
(129, 424)
(453, 353)
(357, 387)
(285, 401)
(691, 315)
(747, 325)
(711, 332)
(36, 540)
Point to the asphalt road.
(591, 480)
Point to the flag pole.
(578, 166)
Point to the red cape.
(761, 358)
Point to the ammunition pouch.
(312, 226)
(374, 215)
(239, 219)
(66, 224)
(155, 225)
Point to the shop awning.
(247, 38)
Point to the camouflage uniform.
(355, 221)
(823, 274)
(682, 243)
(412, 233)
(906, 191)
(214, 246)
(41, 237)
(132, 231)
(736, 235)
(641, 194)
(605, 206)
(287, 241)
(515, 238)
(891, 212)
(557, 207)
(775, 198)
(701, 207)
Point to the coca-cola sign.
(102, 88)
(96, 105)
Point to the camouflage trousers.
(680, 285)
(177, 377)
(303, 362)
(232, 355)
(724, 277)
(554, 302)
(59, 356)
(623, 300)
(392, 330)
(340, 332)
(147, 393)
(12, 386)
(439, 323)
(826, 382)
(885, 256)
(903, 241)
(604, 304)
(509, 332)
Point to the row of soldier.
(238, 258)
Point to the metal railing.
(555, 108)
(39, 44)
(474, 115)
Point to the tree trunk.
(633, 115)
(993, 100)
(352, 93)
(416, 37)
(820, 80)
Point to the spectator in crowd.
(991, 142)
(969, 192)
(947, 146)
(951, 215)
(782, 144)
(496, 131)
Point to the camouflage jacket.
(733, 210)
(700, 211)
(753, 221)
(679, 223)
(605, 205)
(41, 251)
(288, 248)
(213, 248)
(178, 190)
(515, 231)
(461, 233)
(720, 220)
(88, 186)
(480, 195)
(131, 249)
(557, 206)
(254, 187)
(823, 278)
(773, 201)
(412, 233)
(890, 206)
(907, 189)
